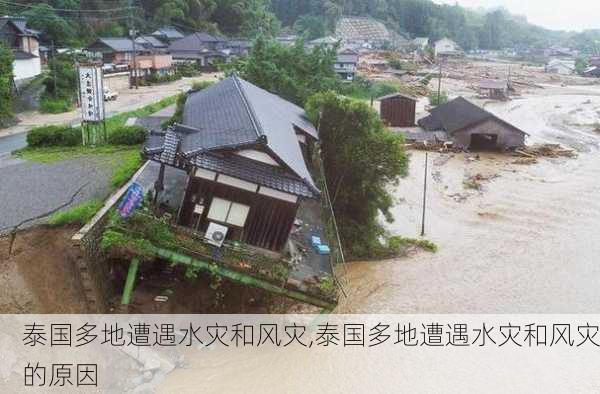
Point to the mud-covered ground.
(526, 242)
(39, 276)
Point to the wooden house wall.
(269, 221)
(508, 137)
(398, 112)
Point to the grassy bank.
(79, 214)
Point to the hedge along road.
(30, 189)
(128, 100)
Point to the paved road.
(11, 143)
(128, 100)
(30, 189)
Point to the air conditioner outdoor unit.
(216, 233)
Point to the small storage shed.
(398, 110)
(493, 89)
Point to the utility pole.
(424, 196)
(54, 68)
(440, 84)
(132, 34)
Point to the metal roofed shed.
(398, 110)
(472, 127)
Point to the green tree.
(43, 17)
(258, 20)
(361, 159)
(61, 84)
(6, 80)
(291, 72)
(311, 26)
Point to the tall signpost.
(91, 94)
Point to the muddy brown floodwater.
(527, 242)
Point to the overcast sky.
(553, 14)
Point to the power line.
(128, 8)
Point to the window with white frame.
(229, 212)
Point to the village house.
(168, 34)
(201, 48)
(114, 50)
(556, 52)
(152, 64)
(346, 64)
(494, 89)
(471, 127)
(562, 67)
(328, 42)
(150, 55)
(420, 43)
(238, 48)
(446, 48)
(151, 43)
(398, 110)
(246, 153)
(25, 47)
(593, 71)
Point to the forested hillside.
(76, 22)
(471, 29)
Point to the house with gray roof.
(168, 34)
(346, 64)
(246, 152)
(151, 43)
(23, 42)
(116, 50)
(201, 48)
(471, 127)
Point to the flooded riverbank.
(525, 243)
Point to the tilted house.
(24, 44)
(472, 127)
(245, 151)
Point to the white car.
(110, 95)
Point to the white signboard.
(91, 93)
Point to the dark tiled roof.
(347, 58)
(196, 55)
(233, 114)
(252, 171)
(168, 32)
(20, 24)
(22, 55)
(150, 42)
(195, 42)
(117, 44)
(456, 115)
(169, 151)
(154, 143)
